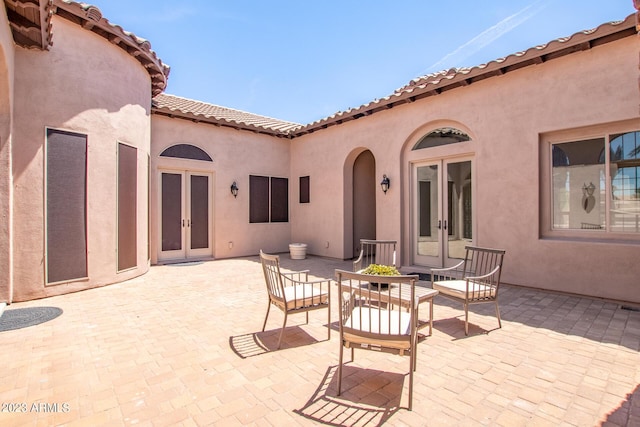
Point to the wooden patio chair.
(475, 280)
(366, 322)
(294, 292)
(382, 252)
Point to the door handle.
(183, 223)
(445, 224)
(188, 223)
(439, 224)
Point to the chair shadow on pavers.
(369, 397)
(622, 415)
(453, 324)
(257, 343)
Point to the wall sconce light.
(385, 183)
(234, 189)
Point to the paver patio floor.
(182, 345)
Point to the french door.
(443, 211)
(185, 215)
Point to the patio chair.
(381, 252)
(474, 280)
(367, 322)
(294, 292)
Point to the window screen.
(304, 189)
(279, 200)
(258, 198)
(127, 206)
(66, 194)
(186, 151)
(268, 199)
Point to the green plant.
(381, 270)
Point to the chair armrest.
(448, 273)
(293, 281)
(323, 285)
(357, 264)
(297, 275)
(484, 276)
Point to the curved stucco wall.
(506, 116)
(6, 114)
(87, 85)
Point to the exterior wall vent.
(93, 14)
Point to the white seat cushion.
(458, 289)
(304, 295)
(379, 321)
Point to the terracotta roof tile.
(435, 83)
(176, 106)
(30, 22)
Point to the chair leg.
(466, 319)
(412, 368)
(329, 323)
(307, 313)
(340, 368)
(264, 325)
(282, 331)
(498, 315)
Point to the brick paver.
(182, 346)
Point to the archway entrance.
(364, 199)
(441, 217)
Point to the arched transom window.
(186, 151)
(441, 136)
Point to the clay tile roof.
(90, 18)
(436, 83)
(175, 106)
(30, 22)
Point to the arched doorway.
(364, 199)
(185, 210)
(441, 222)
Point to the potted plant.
(380, 270)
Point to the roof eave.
(196, 118)
(581, 41)
(30, 22)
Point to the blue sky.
(305, 60)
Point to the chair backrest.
(487, 262)
(371, 312)
(272, 278)
(381, 252)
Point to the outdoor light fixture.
(385, 184)
(234, 189)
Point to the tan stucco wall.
(6, 115)
(87, 85)
(236, 155)
(505, 116)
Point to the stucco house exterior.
(102, 174)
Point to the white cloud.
(488, 36)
